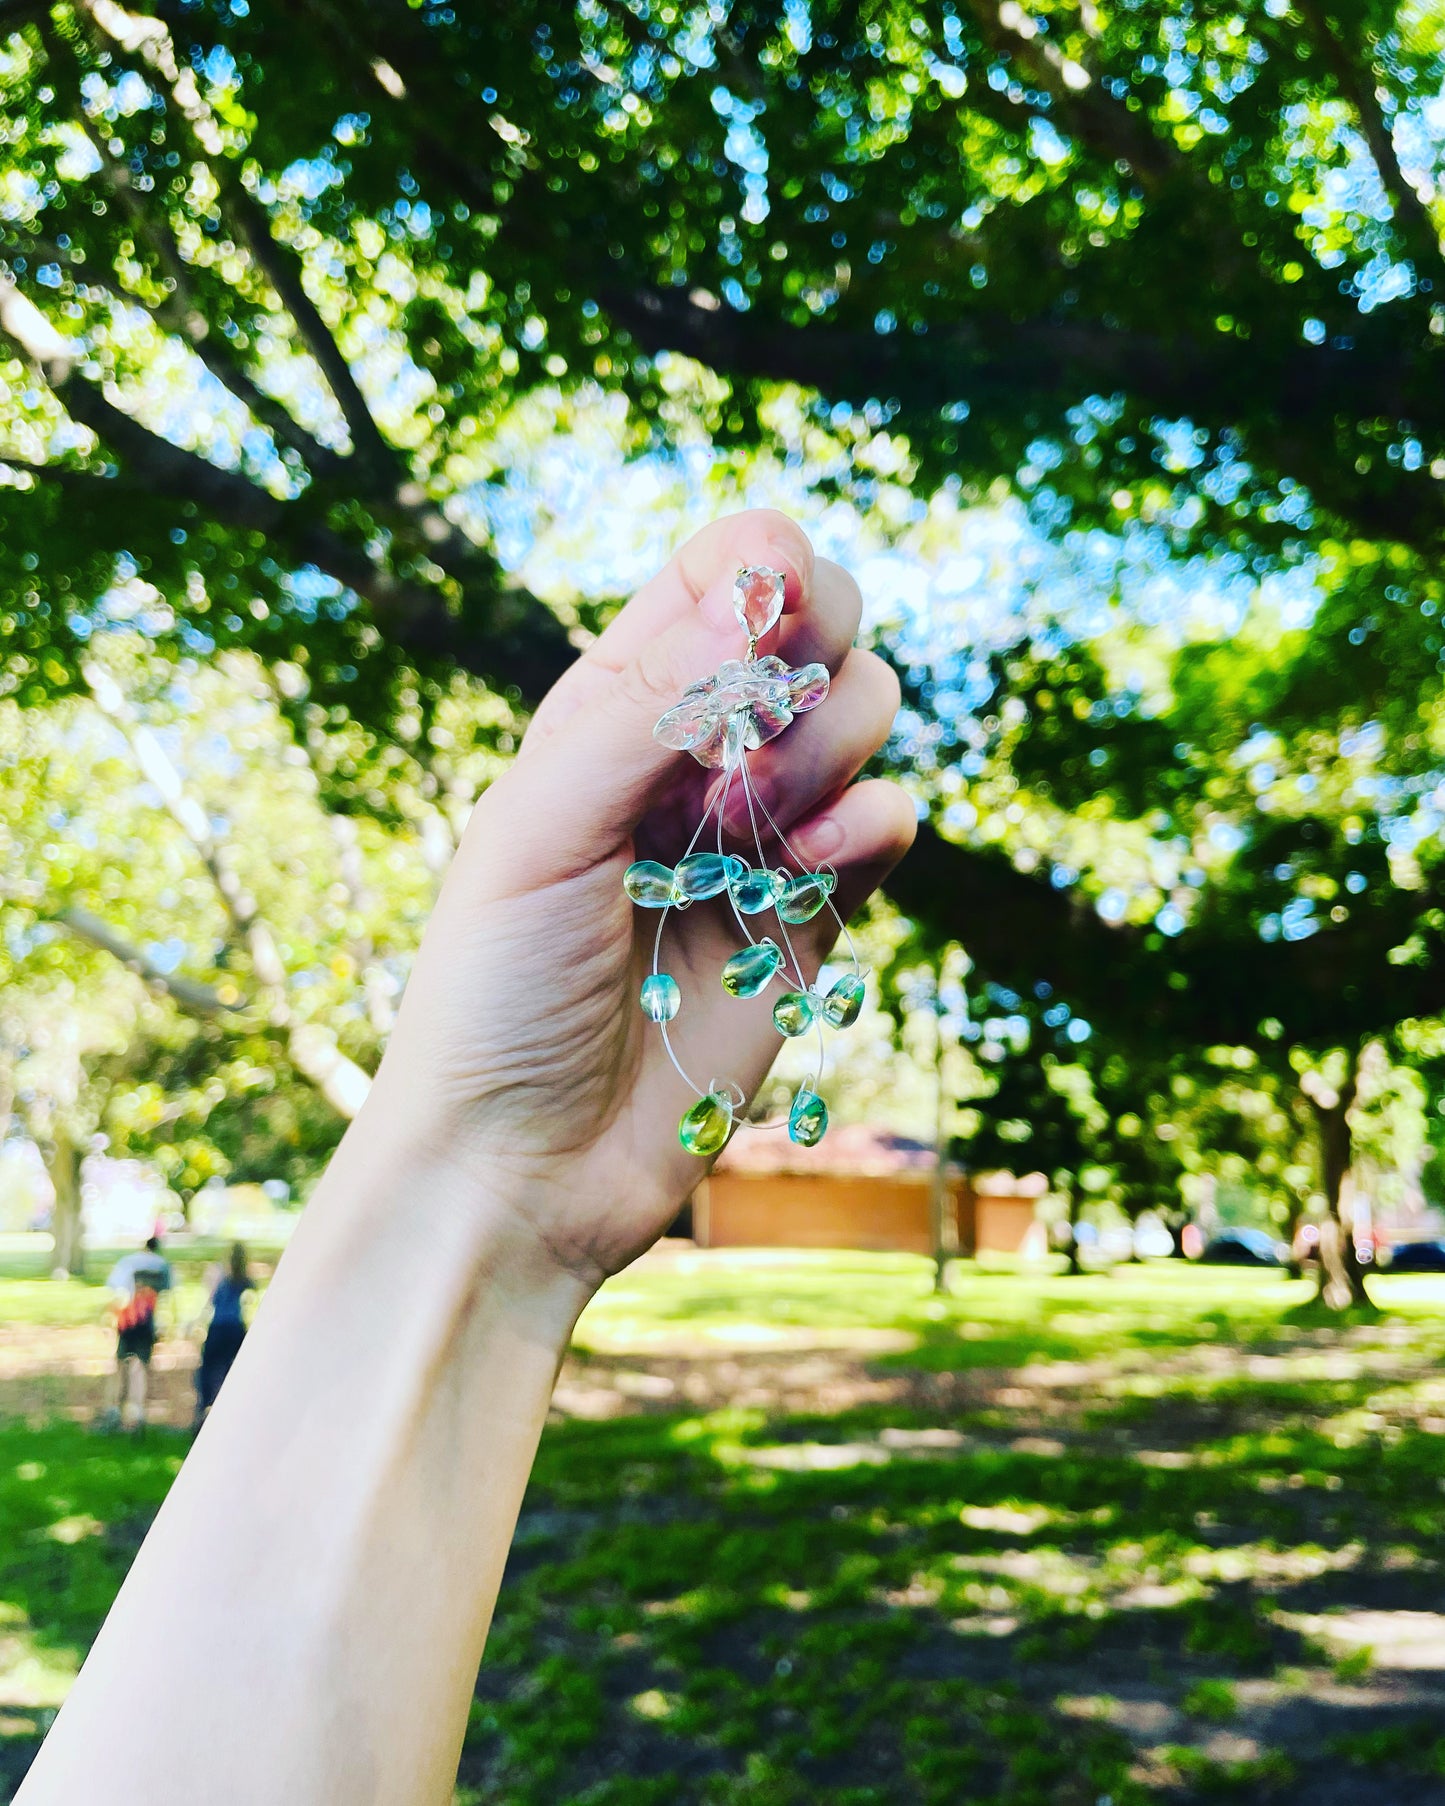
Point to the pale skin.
(305, 1620)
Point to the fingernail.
(820, 837)
(737, 819)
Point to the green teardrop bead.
(706, 1126)
(843, 1002)
(661, 996)
(702, 874)
(753, 891)
(793, 1013)
(808, 1119)
(649, 883)
(804, 897)
(747, 972)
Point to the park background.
(354, 365)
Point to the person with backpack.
(137, 1283)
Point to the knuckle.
(651, 680)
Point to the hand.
(521, 1047)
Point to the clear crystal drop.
(706, 1126)
(746, 973)
(793, 1013)
(649, 883)
(702, 874)
(661, 996)
(807, 687)
(753, 891)
(757, 599)
(843, 1002)
(803, 898)
(689, 723)
(808, 1119)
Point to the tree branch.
(1011, 369)
(1356, 84)
(1081, 106)
(310, 1045)
(189, 993)
(151, 41)
(179, 313)
(1212, 985)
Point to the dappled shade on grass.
(1141, 1537)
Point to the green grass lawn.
(804, 1532)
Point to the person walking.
(137, 1282)
(226, 1331)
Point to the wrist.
(403, 1200)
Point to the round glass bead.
(804, 897)
(807, 1119)
(649, 883)
(706, 1126)
(793, 1013)
(746, 973)
(661, 996)
(843, 1002)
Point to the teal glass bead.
(808, 1119)
(748, 971)
(649, 883)
(793, 1013)
(704, 874)
(804, 897)
(843, 1002)
(706, 1126)
(661, 997)
(753, 891)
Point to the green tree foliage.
(1166, 278)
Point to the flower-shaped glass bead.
(762, 696)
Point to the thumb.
(577, 796)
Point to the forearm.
(305, 1620)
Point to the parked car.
(1244, 1248)
(1417, 1257)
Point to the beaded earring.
(720, 720)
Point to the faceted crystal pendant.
(754, 891)
(807, 687)
(807, 1119)
(661, 997)
(748, 971)
(649, 883)
(706, 874)
(757, 599)
(706, 1126)
(805, 896)
(843, 1002)
(793, 1013)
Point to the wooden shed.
(859, 1188)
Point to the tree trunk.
(1075, 1266)
(1342, 1277)
(942, 1232)
(67, 1224)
